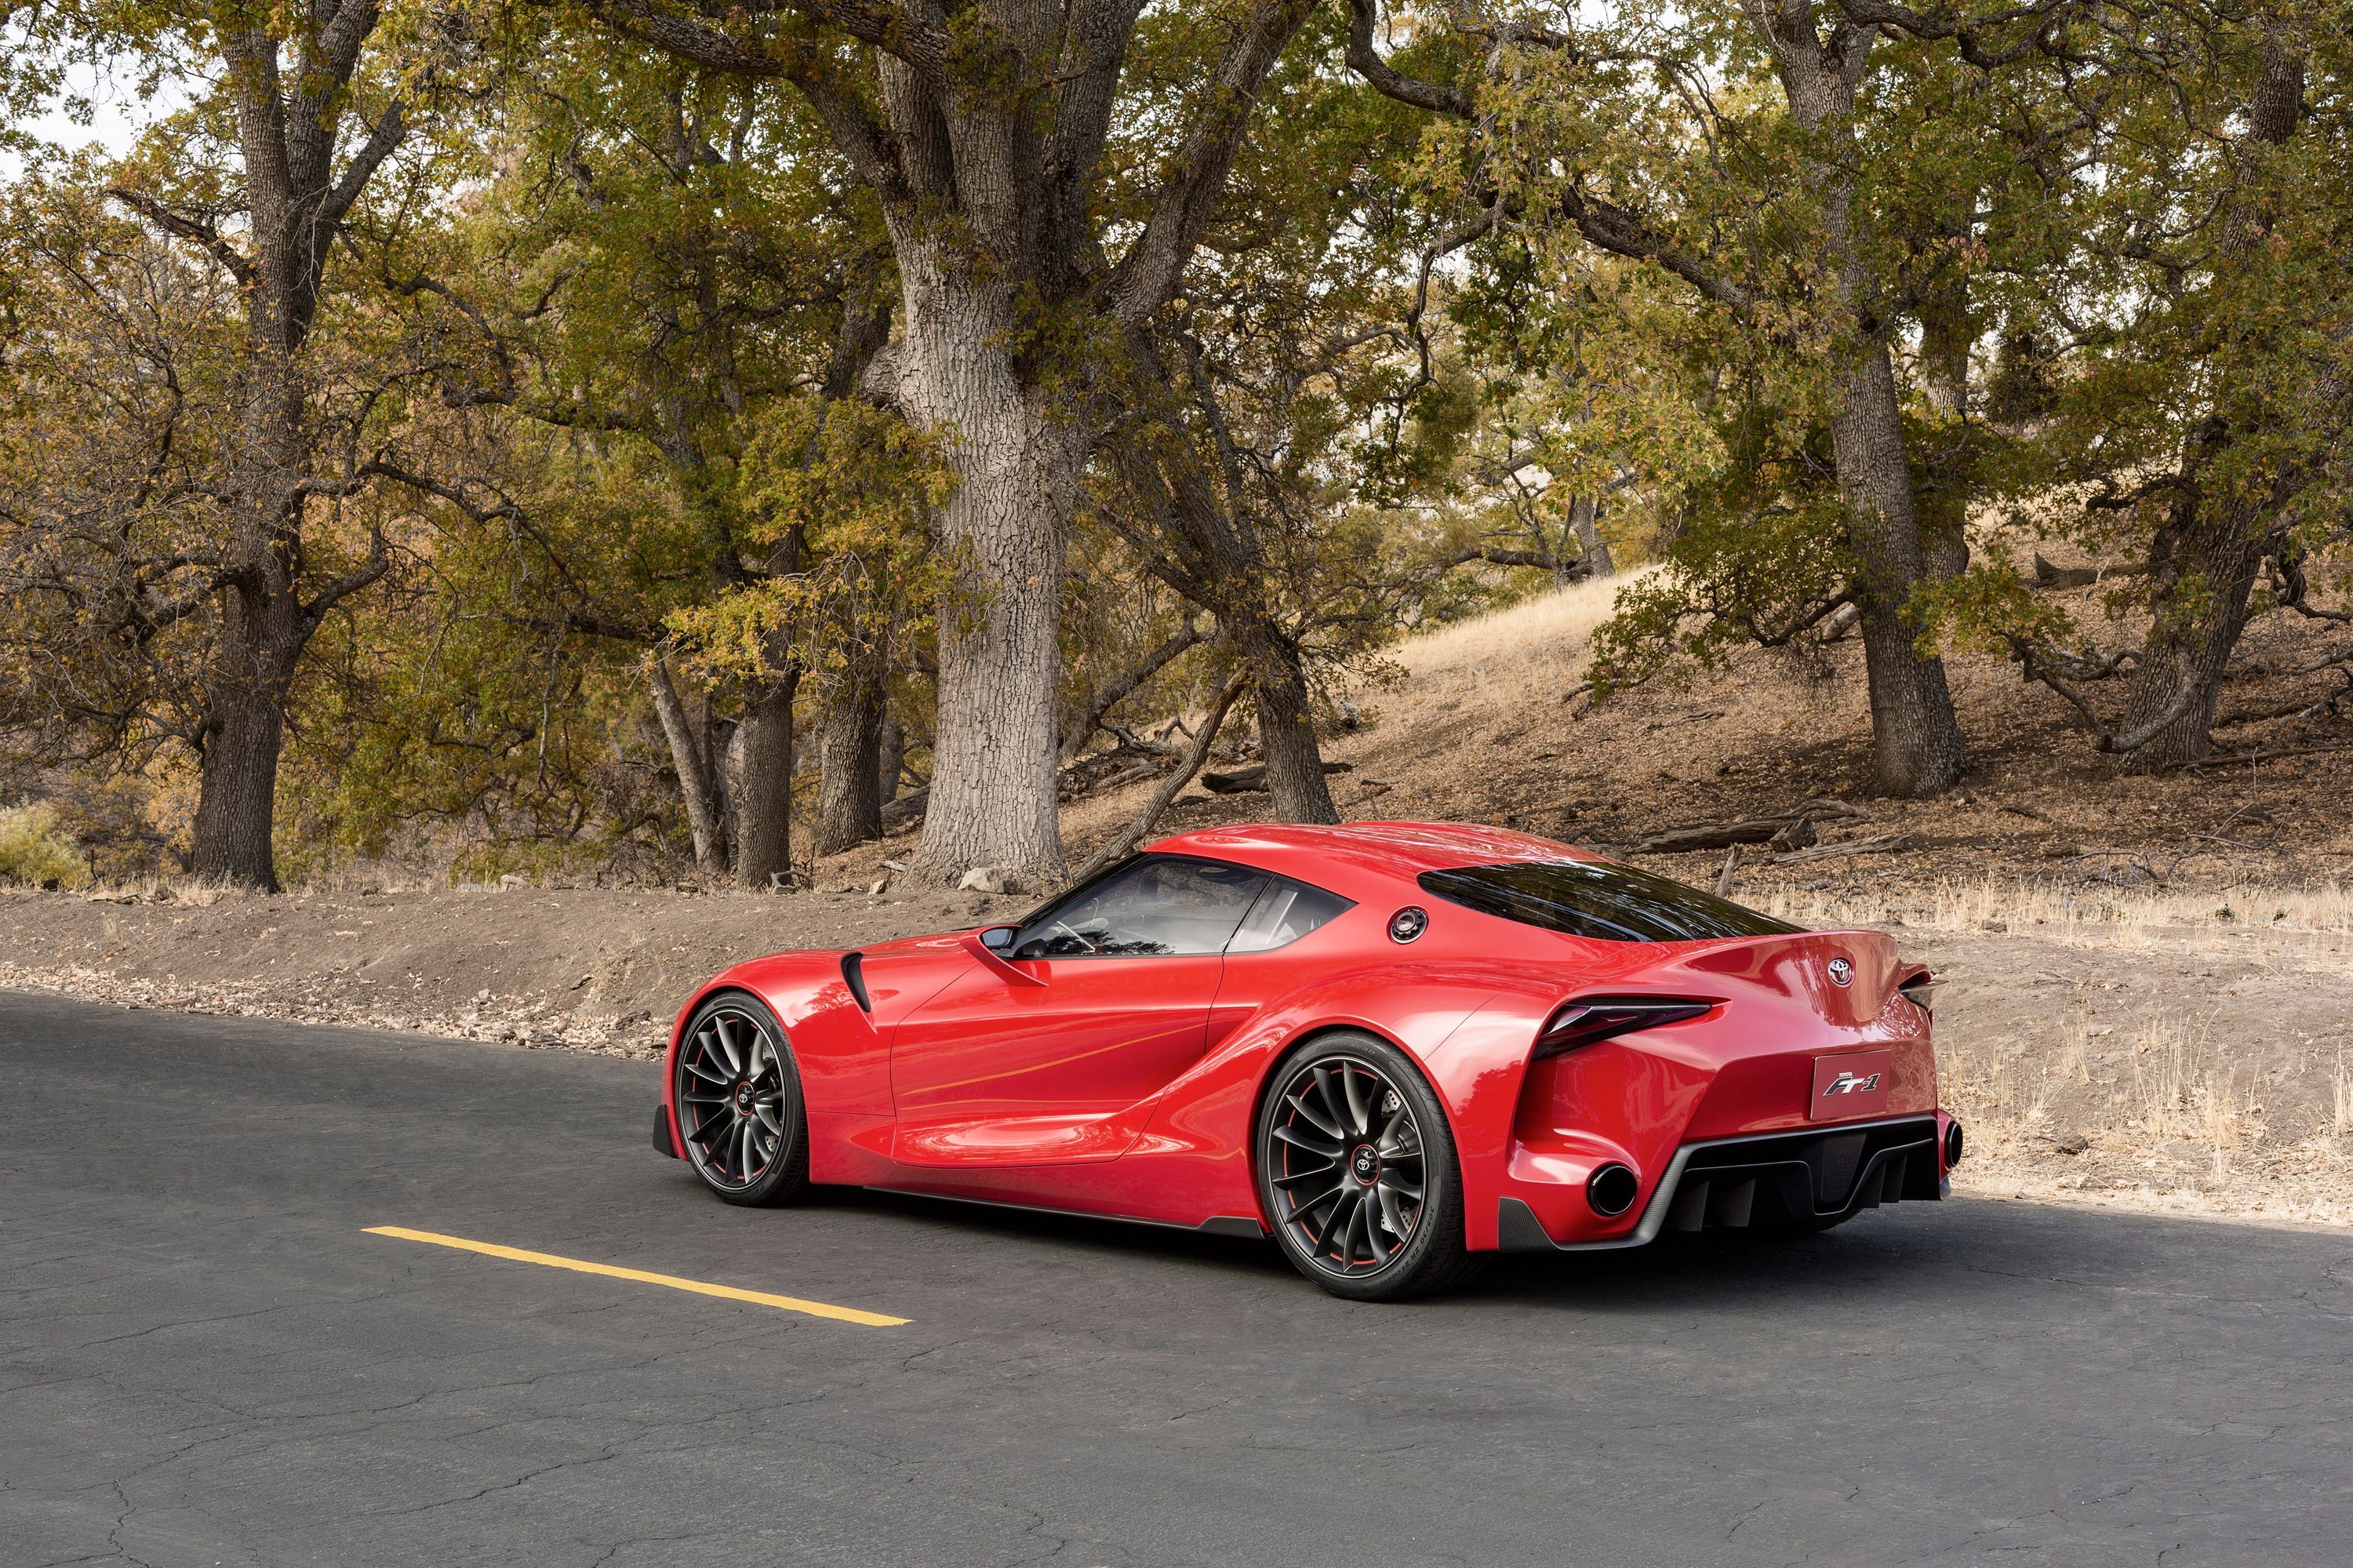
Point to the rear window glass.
(1607, 903)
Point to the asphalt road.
(205, 1359)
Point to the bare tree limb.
(1115, 691)
(1124, 843)
(198, 230)
(1575, 571)
(383, 139)
(1603, 223)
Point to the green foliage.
(1731, 579)
(35, 852)
(613, 307)
(849, 490)
(462, 704)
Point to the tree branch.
(1146, 278)
(1115, 692)
(795, 58)
(1366, 62)
(383, 138)
(379, 561)
(1576, 571)
(1124, 842)
(1603, 223)
(198, 230)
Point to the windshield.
(1607, 903)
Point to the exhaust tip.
(1953, 1145)
(1610, 1191)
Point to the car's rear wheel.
(739, 1103)
(1358, 1172)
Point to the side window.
(1155, 908)
(1285, 911)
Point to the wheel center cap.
(1366, 1162)
(743, 1097)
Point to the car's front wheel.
(1358, 1172)
(739, 1103)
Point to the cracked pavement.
(204, 1361)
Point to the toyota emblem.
(1841, 972)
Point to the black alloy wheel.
(1358, 1173)
(739, 1103)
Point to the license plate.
(1853, 1083)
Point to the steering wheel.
(1074, 937)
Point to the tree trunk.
(849, 798)
(1006, 533)
(2182, 666)
(697, 779)
(263, 624)
(1915, 739)
(1916, 746)
(294, 201)
(1946, 335)
(890, 759)
(2202, 561)
(237, 795)
(2202, 566)
(1286, 726)
(1585, 522)
(764, 814)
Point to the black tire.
(738, 1095)
(1357, 1170)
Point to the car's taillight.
(1921, 989)
(1594, 1018)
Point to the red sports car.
(1395, 1045)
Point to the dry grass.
(192, 892)
(2003, 901)
(1552, 631)
(364, 878)
(2182, 1093)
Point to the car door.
(1055, 1052)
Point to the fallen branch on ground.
(1253, 779)
(907, 809)
(1783, 830)
(1788, 832)
(1877, 843)
(2225, 758)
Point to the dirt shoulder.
(590, 970)
(2191, 1068)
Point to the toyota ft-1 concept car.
(1393, 1045)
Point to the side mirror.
(987, 947)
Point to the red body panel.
(1128, 1087)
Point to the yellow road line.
(581, 1266)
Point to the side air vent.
(853, 974)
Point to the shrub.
(32, 851)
